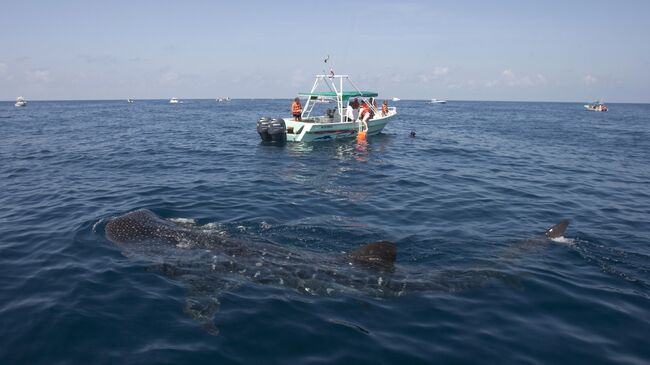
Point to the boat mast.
(339, 92)
(339, 99)
(306, 111)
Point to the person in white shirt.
(349, 113)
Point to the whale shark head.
(139, 225)
(557, 230)
(378, 255)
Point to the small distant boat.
(221, 100)
(173, 101)
(20, 101)
(596, 106)
(438, 101)
(396, 99)
(129, 100)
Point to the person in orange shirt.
(296, 109)
(365, 114)
(384, 108)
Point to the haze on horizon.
(469, 50)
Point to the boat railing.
(335, 84)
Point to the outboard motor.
(277, 129)
(263, 125)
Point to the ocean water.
(469, 193)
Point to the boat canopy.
(336, 92)
(346, 94)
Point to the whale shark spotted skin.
(209, 263)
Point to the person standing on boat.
(365, 114)
(355, 103)
(349, 112)
(384, 108)
(373, 101)
(296, 109)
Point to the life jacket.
(295, 107)
(365, 109)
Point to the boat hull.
(323, 129)
(596, 108)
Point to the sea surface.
(470, 192)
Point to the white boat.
(396, 99)
(129, 100)
(221, 100)
(173, 101)
(438, 101)
(20, 101)
(333, 124)
(596, 106)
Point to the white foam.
(184, 243)
(214, 231)
(94, 229)
(188, 221)
(563, 240)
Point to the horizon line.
(291, 97)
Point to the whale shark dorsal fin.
(557, 230)
(380, 255)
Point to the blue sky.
(459, 50)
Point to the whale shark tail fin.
(378, 255)
(557, 230)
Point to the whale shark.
(209, 263)
(557, 230)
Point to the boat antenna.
(327, 58)
(331, 69)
